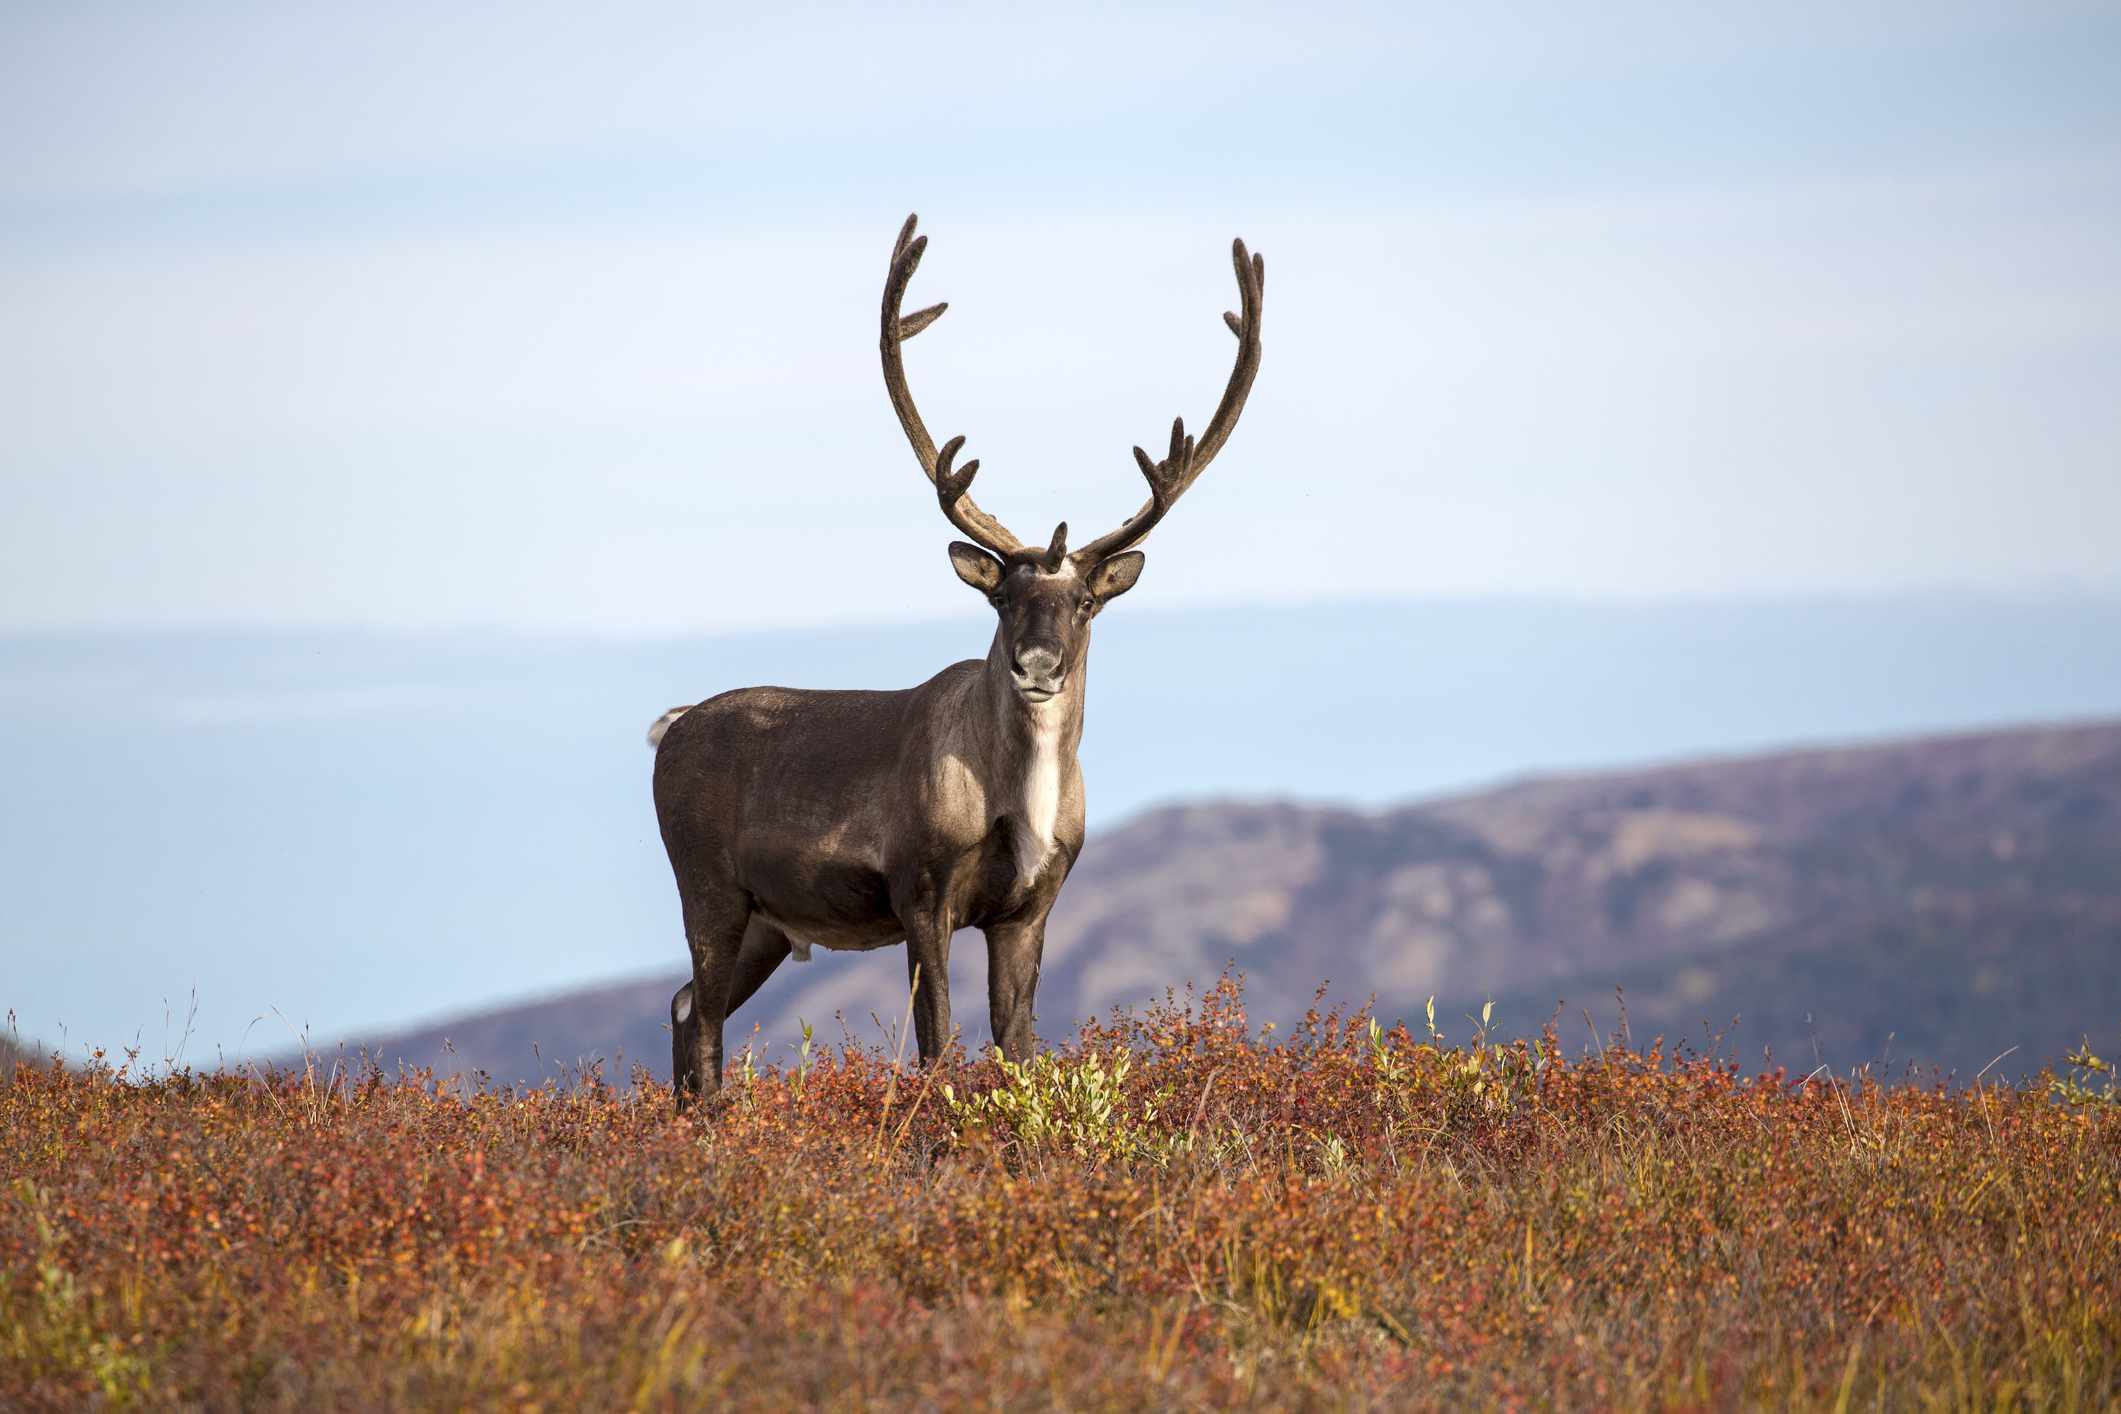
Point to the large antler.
(950, 487)
(1189, 457)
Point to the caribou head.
(1045, 600)
(1047, 596)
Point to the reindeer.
(854, 820)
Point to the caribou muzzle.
(1037, 670)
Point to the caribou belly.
(837, 937)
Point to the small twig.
(1847, 1119)
(1981, 1093)
(927, 1080)
(1992, 1064)
(898, 1057)
(1201, 1108)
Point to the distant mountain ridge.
(1933, 901)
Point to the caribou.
(853, 820)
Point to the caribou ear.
(976, 567)
(1116, 576)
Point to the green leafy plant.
(804, 1058)
(1077, 1106)
(2091, 1079)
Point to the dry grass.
(1176, 1212)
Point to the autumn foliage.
(1177, 1209)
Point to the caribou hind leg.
(682, 1081)
(765, 948)
(715, 923)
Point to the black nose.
(1037, 661)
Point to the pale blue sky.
(427, 320)
(563, 316)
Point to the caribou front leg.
(1013, 952)
(928, 974)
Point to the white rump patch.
(661, 725)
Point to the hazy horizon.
(312, 820)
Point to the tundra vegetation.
(1176, 1209)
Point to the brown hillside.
(1960, 895)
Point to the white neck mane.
(1041, 792)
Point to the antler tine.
(950, 489)
(964, 513)
(1188, 458)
